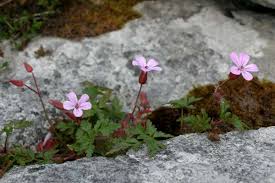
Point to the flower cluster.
(74, 107)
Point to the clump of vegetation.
(237, 103)
(21, 20)
(93, 125)
(96, 125)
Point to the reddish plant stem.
(31, 89)
(219, 85)
(41, 100)
(6, 143)
(132, 114)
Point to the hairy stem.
(30, 88)
(132, 114)
(41, 100)
(219, 85)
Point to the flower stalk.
(135, 106)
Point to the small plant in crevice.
(227, 117)
(9, 128)
(182, 104)
(199, 122)
(93, 124)
(221, 108)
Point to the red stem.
(132, 114)
(41, 100)
(6, 143)
(220, 85)
(30, 88)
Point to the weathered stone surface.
(246, 157)
(191, 39)
(266, 3)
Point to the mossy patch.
(22, 20)
(87, 19)
(253, 102)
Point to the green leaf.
(148, 136)
(22, 156)
(10, 126)
(230, 118)
(21, 124)
(46, 157)
(106, 127)
(200, 123)
(115, 110)
(4, 65)
(68, 127)
(85, 137)
(123, 144)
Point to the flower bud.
(28, 67)
(142, 77)
(18, 83)
(57, 104)
(144, 99)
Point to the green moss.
(20, 21)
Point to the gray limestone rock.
(246, 157)
(192, 41)
(266, 3)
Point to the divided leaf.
(200, 123)
(230, 118)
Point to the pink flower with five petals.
(241, 66)
(77, 105)
(151, 65)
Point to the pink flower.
(241, 66)
(77, 105)
(151, 65)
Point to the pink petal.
(85, 106)
(235, 70)
(78, 112)
(152, 63)
(139, 61)
(72, 97)
(155, 69)
(68, 105)
(84, 98)
(247, 76)
(48, 136)
(244, 59)
(252, 68)
(145, 69)
(235, 59)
